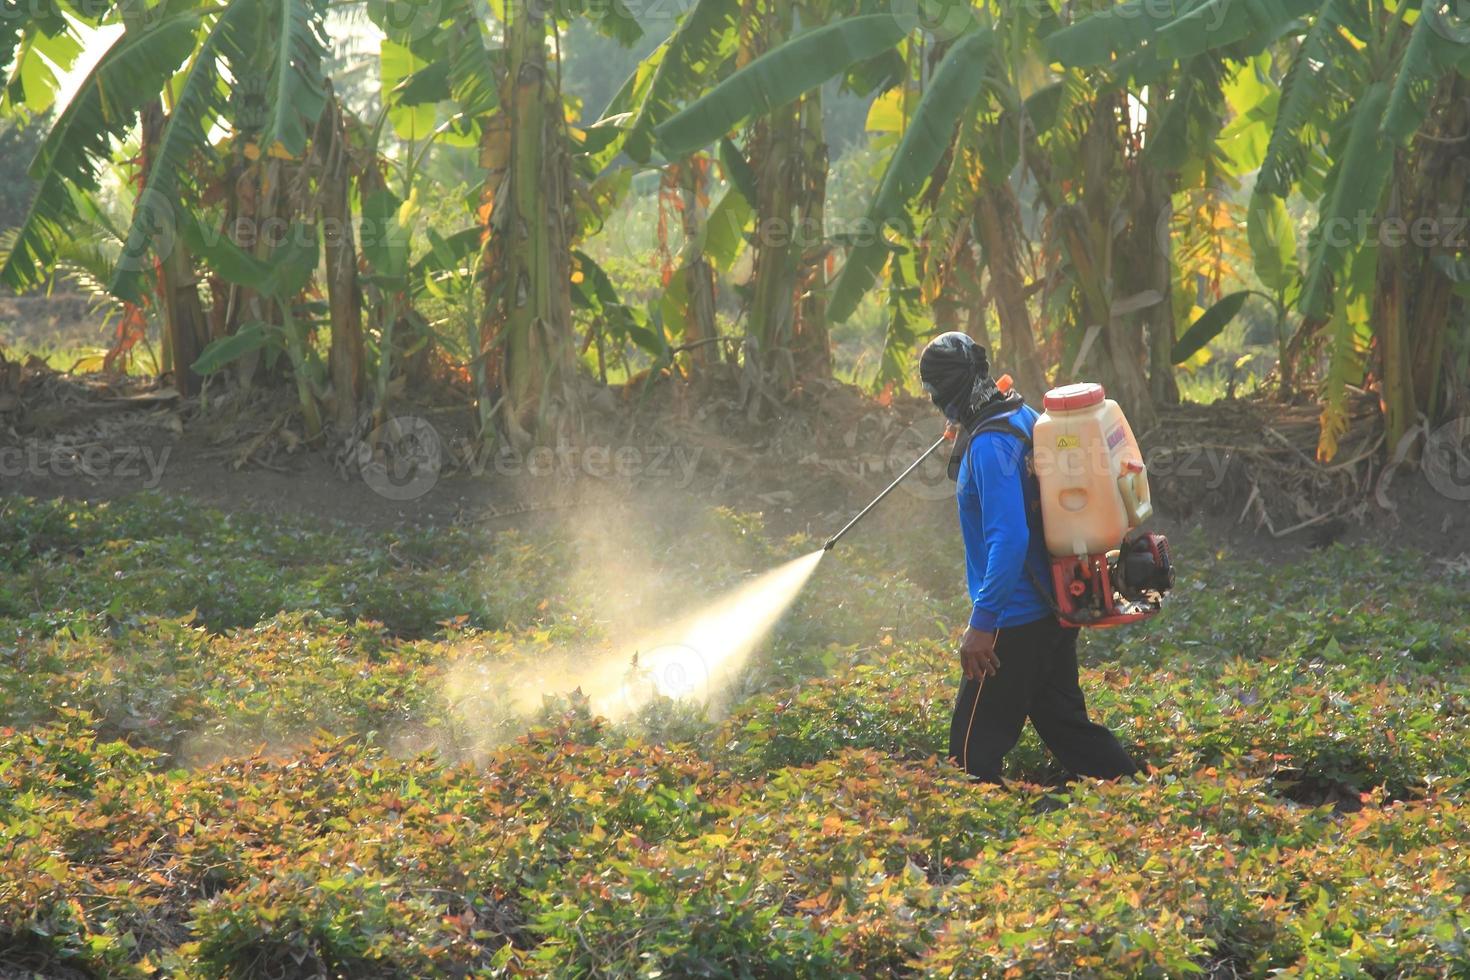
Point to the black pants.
(1037, 680)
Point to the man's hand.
(977, 654)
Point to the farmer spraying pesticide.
(1051, 508)
(1019, 660)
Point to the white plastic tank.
(1094, 486)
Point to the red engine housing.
(1088, 588)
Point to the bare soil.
(1241, 470)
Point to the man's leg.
(1059, 712)
(988, 717)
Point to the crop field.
(232, 749)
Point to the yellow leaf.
(886, 115)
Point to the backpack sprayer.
(1094, 497)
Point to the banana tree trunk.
(997, 216)
(1390, 326)
(1119, 356)
(775, 151)
(527, 330)
(1440, 190)
(1391, 309)
(699, 319)
(811, 347)
(344, 298)
(1152, 240)
(185, 327)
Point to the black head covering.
(954, 371)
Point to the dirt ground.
(1241, 470)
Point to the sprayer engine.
(1120, 586)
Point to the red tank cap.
(1069, 398)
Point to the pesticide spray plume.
(700, 654)
(698, 657)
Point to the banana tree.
(1364, 127)
(770, 95)
(701, 47)
(1149, 147)
(958, 136)
(186, 49)
(499, 84)
(280, 282)
(950, 115)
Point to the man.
(1018, 660)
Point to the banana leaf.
(776, 78)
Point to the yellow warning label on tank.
(1069, 442)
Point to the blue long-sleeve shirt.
(1000, 520)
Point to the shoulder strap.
(990, 420)
(1006, 425)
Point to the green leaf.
(1208, 326)
(952, 91)
(1355, 186)
(776, 78)
(1430, 55)
(230, 261)
(222, 352)
(43, 57)
(298, 91)
(737, 170)
(199, 100)
(447, 254)
(1096, 39)
(1190, 120)
(1272, 238)
(398, 67)
(1216, 23)
(426, 86)
(725, 229)
(131, 72)
(1303, 96)
(700, 46)
(385, 236)
(472, 66)
(294, 262)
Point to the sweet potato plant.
(227, 750)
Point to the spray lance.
(947, 437)
(1003, 384)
